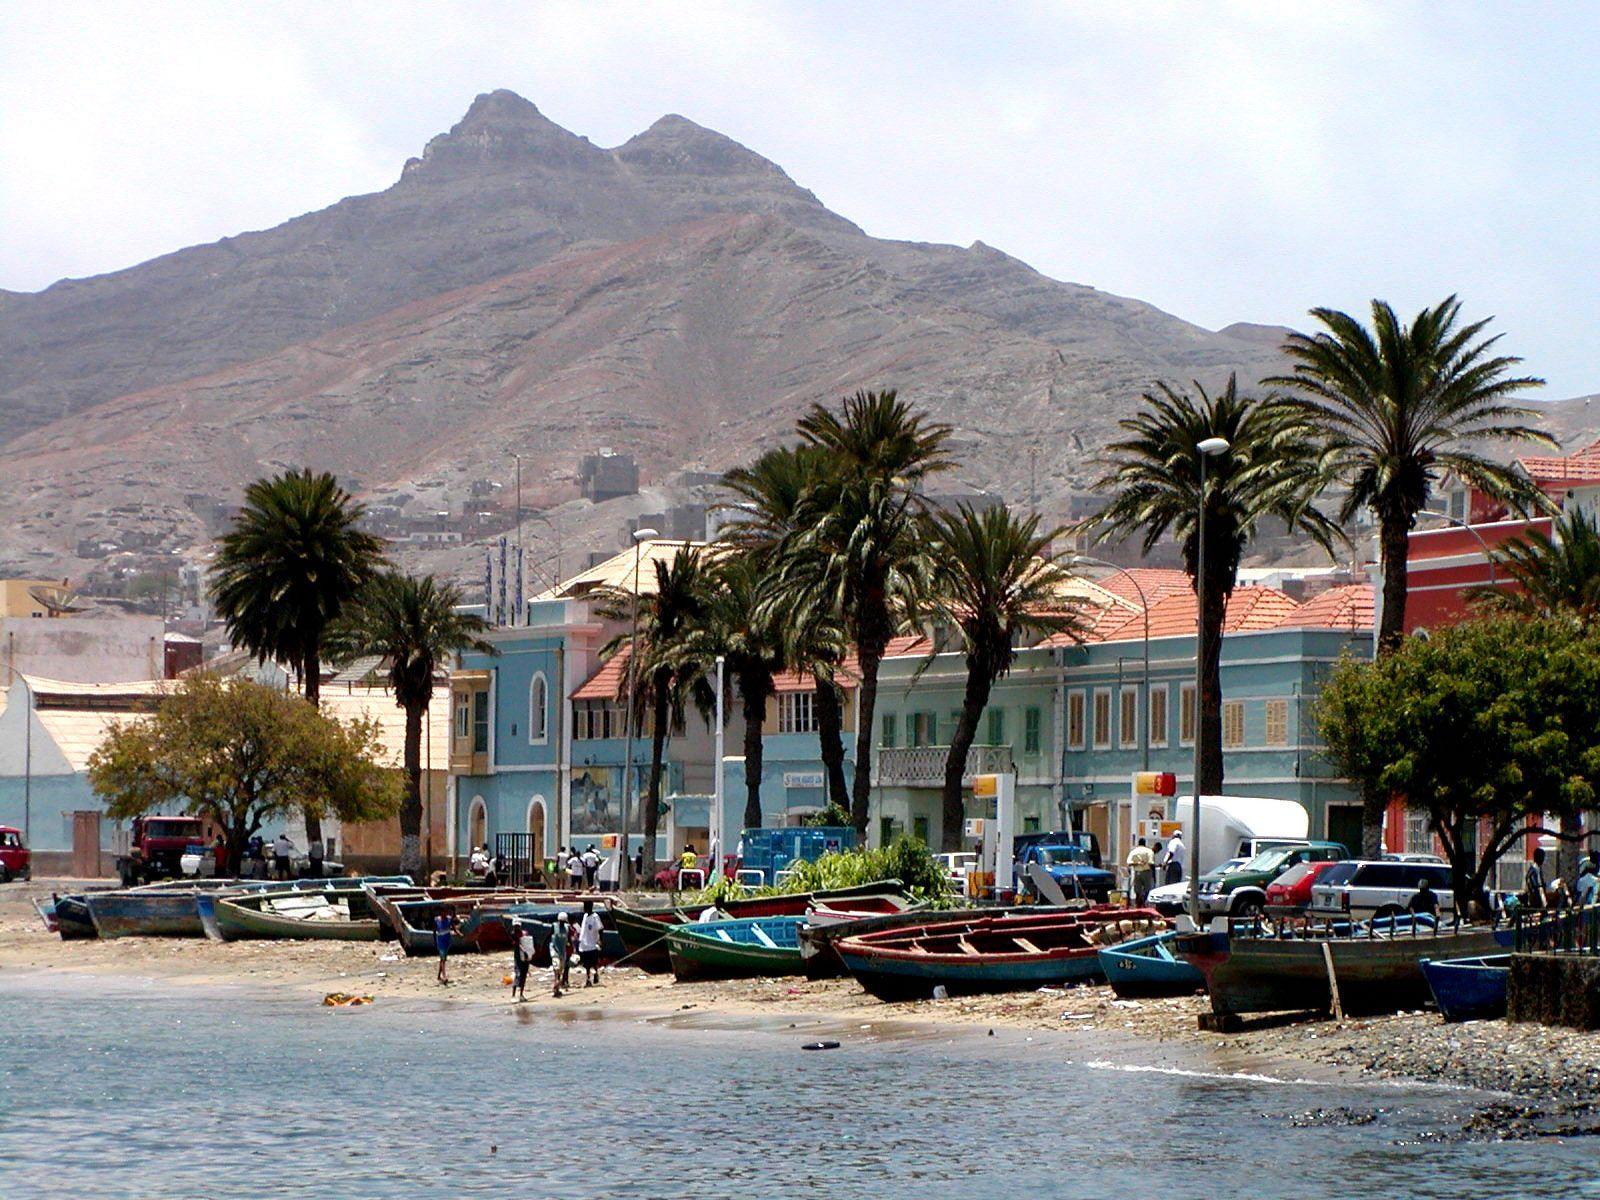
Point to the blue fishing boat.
(1469, 989)
(741, 949)
(72, 918)
(1147, 966)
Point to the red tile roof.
(1581, 467)
(608, 682)
(1157, 582)
(1349, 606)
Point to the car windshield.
(172, 829)
(10, 840)
(1054, 856)
(1268, 860)
(1337, 874)
(1293, 875)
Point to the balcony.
(923, 766)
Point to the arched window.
(538, 710)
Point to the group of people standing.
(1144, 861)
(584, 935)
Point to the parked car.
(1292, 889)
(1170, 899)
(16, 860)
(1384, 888)
(957, 867)
(1243, 893)
(1071, 859)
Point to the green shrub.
(906, 859)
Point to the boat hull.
(72, 918)
(900, 979)
(699, 952)
(1147, 967)
(238, 920)
(145, 914)
(1472, 989)
(1375, 975)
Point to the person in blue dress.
(443, 926)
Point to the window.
(997, 727)
(1158, 716)
(538, 709)
(1075, 720)
(1030, 824)
(592, 719)
(1030, 731)
(797, 712)
(1102, 719)
(1186, 715)
(1233, 724)
(480, 722)
(463, 716)
(1277, 723)
(1128, 718)
(919, 829)
(924, 729)
(1418, 839)
(887, 736)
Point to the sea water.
(112, 1091)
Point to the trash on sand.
(344, 1000)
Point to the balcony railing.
(923, 766)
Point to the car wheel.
(1247, 909)
(5, 876)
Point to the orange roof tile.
(608, 682)
(1157, 582)
(1349, 606)
(1581, 467)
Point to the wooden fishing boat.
(745, 948)
(72, 917)
(643, 934)
(328, 914)
(1148, 966)
(823, 928)
(1469, 989)
(47, 913)
(205, 903)
(1378, 970)
(989, 954)
(145, 912)
(413, 918)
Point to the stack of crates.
(770, 851)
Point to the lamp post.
(625, 874)
(1207, 448)
(1488, 555)
(715, 832)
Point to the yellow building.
(17, 597)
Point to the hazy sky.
(1223, 161)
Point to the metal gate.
(524, 865)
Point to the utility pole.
(640, 536)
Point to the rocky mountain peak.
(503, 129)
(675, 143)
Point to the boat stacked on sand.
(330, 913)
(481, 915)
(990, 953)
(745, 948)
(1469, 989)
(1149, 966)
(176, 907)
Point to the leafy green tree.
(1556, 574)
(415, 625)
(293, 559)
(998, 584)
(667, 664)
(1273, 468)
(859, 550)
(1489, 727)
(1399, 406)
(241, 754)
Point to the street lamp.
(640, 537)
(1208, 448)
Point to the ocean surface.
(121, 1090)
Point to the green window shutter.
(888, 731)
(1030, 731)
(997, 727)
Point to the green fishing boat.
(744, 949)
(339, 914)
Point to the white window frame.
(797, 712)
(1160, 699)
(1078, 698)
(1234, 711)
(1187, 693)
(1101, 742)
(538, 710)
(1277, 722)
(1128, 729)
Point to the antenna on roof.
(58, 599)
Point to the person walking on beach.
(591, 867)
(282, 851)
(522, 949)
(589, 932)
(575, 869)
(1173, 861)
(560, 949)
(1141, 864)
(443, 926)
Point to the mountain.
(519, 289)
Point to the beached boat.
(736, 949)
(72, 917)
(1469, 989)
(47, 913)
(329, 914)
(1148, 966)
(145, 912)
(989, 954)
(412, 919)
(643, 933)
(1377, 966)
(205, 903)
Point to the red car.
(15, 860)
(1292, 889)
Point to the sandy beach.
(1543, 1073)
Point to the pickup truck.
(156, 846)
(1072, 860)
(16, 861)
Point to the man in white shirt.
(589, 933)
(1141, 864)
(1173, 859)
(282, 850)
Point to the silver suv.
(1361, 890)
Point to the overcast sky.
(1226, 162)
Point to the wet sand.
(1555, 1069)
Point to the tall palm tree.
(293, 559)
(1558, 574)
(1273, 468)
(664, 662)
(996, 582)
(778, 486)
(860, 552)
(414, 624)
(1400, 405)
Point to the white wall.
(82, 649)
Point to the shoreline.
(1532, 1076)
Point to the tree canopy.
(241, 754)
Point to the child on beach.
(522, 950)
(443, 927)
(560, 947)
(589, 931)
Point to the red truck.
(155, 846)
(16, 862)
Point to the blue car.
(1072, 860)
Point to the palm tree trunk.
(411, 809)
(1392, 541)
(1209, 714)
(660, 704)
(973, 700)
(861, 785)
(753, 701)
(311, 686)
(830, 736)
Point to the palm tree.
(1273, 468)
(1398, 406)
(414, 624)
(1557, 574)
(293, 559)
(664, 662)
(859, 551)
(774, 489)
(996, 582)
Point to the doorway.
(86, 845)
(536, 827)
(1344, 826)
